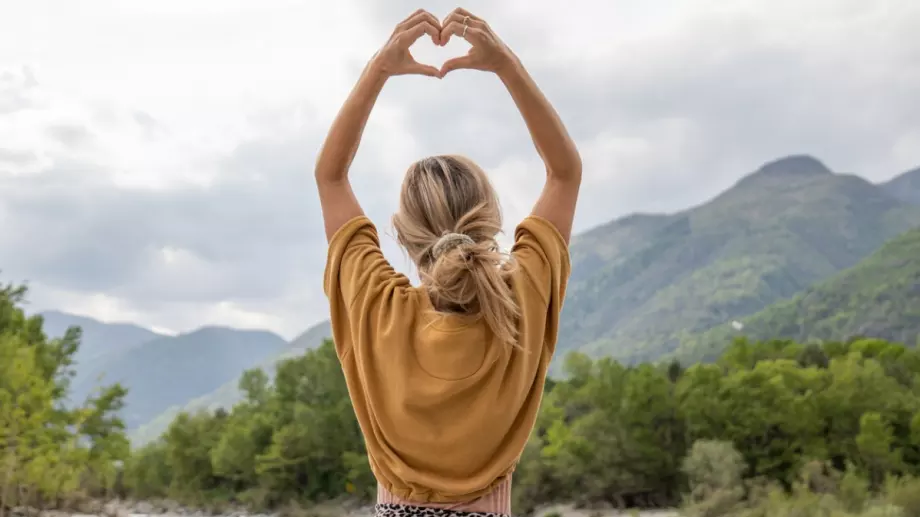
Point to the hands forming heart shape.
(487, 52)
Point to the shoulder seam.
(533, 284)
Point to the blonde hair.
(448, 220)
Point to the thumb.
(457, 63)
(420, 69)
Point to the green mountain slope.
(905, 186)
(648, 281)
(879, 297)
(100, 344)
(604, 245)
(173, 370)
(228, 393)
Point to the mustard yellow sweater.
(445, 410)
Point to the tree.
(875, 443)
(49, 450)
(26, 399)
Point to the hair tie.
(449, 241)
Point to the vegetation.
(879, 297)
(776, 426)
(607, 434)
(714, 471)
(644, 283)
(51, 453)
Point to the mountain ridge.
(159, 370)
(643, 283)
(905, 186)
(100, 343)
(765, 238)
(229, 393)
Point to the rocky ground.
(171, 509)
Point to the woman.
(446, 378)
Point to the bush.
(853, 490)
(905, 494)
(714, 472)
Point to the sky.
(156, 156)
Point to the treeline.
(607, 433)
(620, 435)
(53, 453)
(837, 420)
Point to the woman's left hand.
(487, 51)
(395, 59)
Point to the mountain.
(169, 370)
(642, 283)
(228, 394)
(642, 286)
(100, 343)
(905, 187)
(879, 297)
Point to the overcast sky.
(156, 156)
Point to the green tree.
(49, 449)
(876, 448)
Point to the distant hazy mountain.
(100, 344)
(641, 283)
(173, 370)
(228, 393)
(905, 187)
(879, 297)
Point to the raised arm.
(337, 199)
(553, 143)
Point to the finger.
(410, 36)
(463, 12)
(419, 16)
(470, 34)
(458, 63)
(413, 15)
(420, 69)
(464, 19)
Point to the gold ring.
(466, 19)
(463, 34)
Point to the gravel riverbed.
(169, 509)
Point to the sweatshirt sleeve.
(359, 281)
(543, 256)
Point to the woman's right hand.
(487, 51)
(395, 59)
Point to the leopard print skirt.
(403, 510)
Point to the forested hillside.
(643, 283)
(879, 297)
